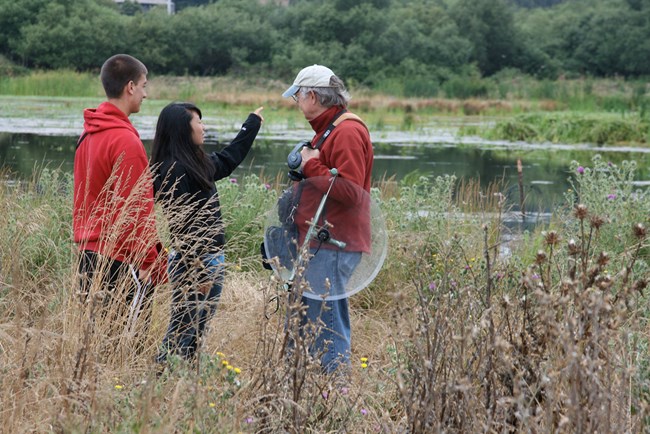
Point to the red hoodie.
(113, 212)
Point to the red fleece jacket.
(348, 149)
(113, 212)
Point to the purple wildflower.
(344, 390)
(364, 411)
(581, 170)
(432, 286)
(267, 186)
(249, 419)
(325, 394)
(233, 180)
(611, 196)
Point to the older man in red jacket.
(341, 142)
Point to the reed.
(452, 336)
(52, 83)
(505, 93)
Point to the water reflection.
(545, 169)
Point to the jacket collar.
(320, 123)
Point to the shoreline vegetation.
(599, 111)
(453, 335)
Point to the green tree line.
(371, 42)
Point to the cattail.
(581, 211)
(639, 231)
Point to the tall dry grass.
(450, 337)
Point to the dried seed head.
(603, 259)
(540, 257)
(581, 211)
(573, 247)
(639, 231)
(567, 285)
(551, 238)
(640, 285)
(603, 282)
(596, 222)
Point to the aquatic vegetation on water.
(570, 128)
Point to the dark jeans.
(191, 310)
(125, 299)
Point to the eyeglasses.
(295, 96)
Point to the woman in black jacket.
(184, 185)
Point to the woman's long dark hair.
(173, 143)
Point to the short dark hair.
(117, 71)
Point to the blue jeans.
(335, 336)
(191, 309)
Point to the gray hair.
(332, 96)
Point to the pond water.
(397, 154)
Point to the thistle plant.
(545, 345)
(607, 190)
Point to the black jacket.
(194, 214)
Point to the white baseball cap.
(311, 76)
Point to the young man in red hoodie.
(113, 215)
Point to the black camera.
(294, 160)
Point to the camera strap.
(338, 118)
(329, 129)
